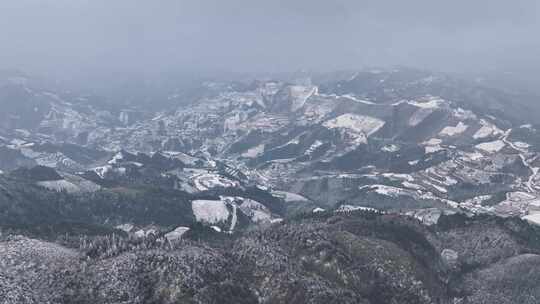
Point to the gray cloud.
(99, 36)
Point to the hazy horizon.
(81, 37)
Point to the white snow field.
(452, 131)
(491, 147)
(355, 123)
(211, 212)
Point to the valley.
(367, 188)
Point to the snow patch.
(313, 147)
(59, 186)
(211, 212)
(125, 227)
(433, 145)
(428, 216)
(290, 197)
(352, 97)
(399, 176)
(359, 125)
(477, 200)
(176, 234)
(437, 187)
(116, 158)
(487, 129)
(141, 233)
(256, 211)
(390, 148)
(385, 190)
(491, 147)
(412, 186)
(254, 152)
(533, 218)
(216, 228)
(209, 181)
(431, 103)
(102, 171)
(474, 156)
(463, 114)
(452, 131)
(185, 158)
(349, 208)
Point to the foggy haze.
(75, 37)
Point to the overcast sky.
(79, 36)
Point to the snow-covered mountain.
(359, 187)
(385, 139)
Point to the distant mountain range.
(374, 186)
